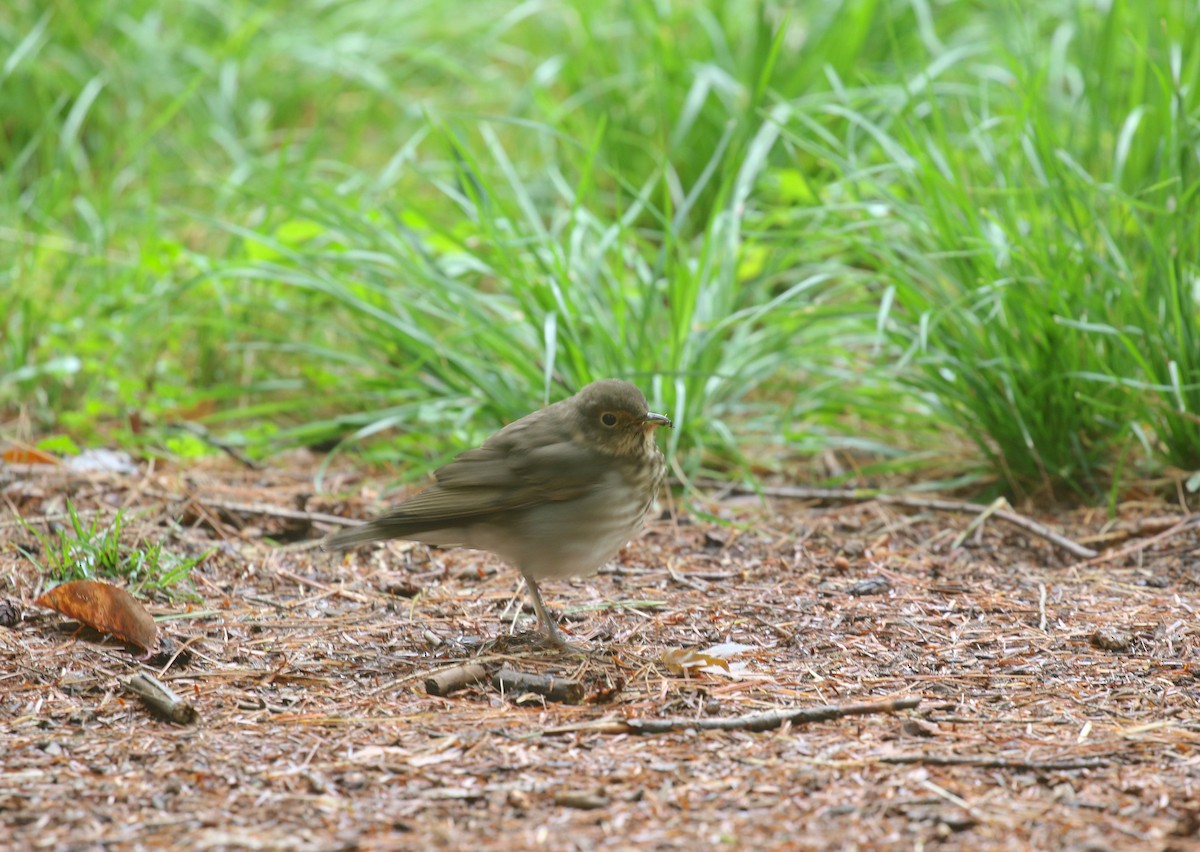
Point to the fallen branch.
(553, 688)
(161, 700)
(453, 679)
(857, 495)
(996, 762)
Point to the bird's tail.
(354, 536)
(398, 525)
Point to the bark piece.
(559, 689)
(453, 679)
(161, 700)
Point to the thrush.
(556, 493)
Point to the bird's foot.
(555, 639)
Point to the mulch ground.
(1059, 699)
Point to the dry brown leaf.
(28, 455)
(106, 608)
(685, 661)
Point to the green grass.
(95, 551)
(886, 229)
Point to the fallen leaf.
(738, 671)
(1111, 639)
(28, 455)
(448, 756)
(724, 650)
(684, 661)
(712, 660)
(99, 460)
(870, 586)
(106, 608)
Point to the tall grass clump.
(129, 126)
(442, 328)
(1029, 212)
(588, 239)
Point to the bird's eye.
(608, 418)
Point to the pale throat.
(627, 442)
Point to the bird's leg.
(546, 621)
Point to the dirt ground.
(1059, 699)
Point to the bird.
(555, 494)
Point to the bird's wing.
(531, 461)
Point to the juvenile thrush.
(556, 493)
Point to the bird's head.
(614, 416)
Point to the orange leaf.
(27, 455)
(684, 661)
(104, 607)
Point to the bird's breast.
(571, 538)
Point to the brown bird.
(556, 493)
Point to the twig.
(204, 435)
(323, 587)
(1141, 545)
(453, 679)
(766, 721)
(1042, 606)
(942, 793)
(554, 688)
(226, 505)
(684, 581)
(161, 700)
(82, 514)
(855, 495)
(259, 509)
(996, 505)
(996, 762)
(584, 800)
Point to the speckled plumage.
(556, 493)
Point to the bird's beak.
(652, 419)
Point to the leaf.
(724, 650)
(59, 444)
(99, 459)
(684, 661)
(106, 608)
(28, 455)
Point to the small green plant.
(94, 551)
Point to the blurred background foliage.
(942, 241)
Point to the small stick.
(322, 587)
(1042, 606)
(976, 522)
(1144, 543)
(82, 514)
(453, 679)
(684, 581)
(855, 495)
(996, 762)
(942, 793)
(161, 700)
(766, 721)
(208, 438)
(584, 800)
(554, 688)
(257, 509)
